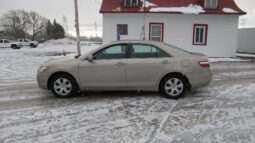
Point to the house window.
(200, 34)
(130, 3)
(122, 29)
(156, 32)
(211, 4)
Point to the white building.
(205, 26)
(246, 40)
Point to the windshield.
(177, 48)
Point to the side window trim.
(131, 44)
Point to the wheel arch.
(12, 45)
(58, 73)
(178, 74)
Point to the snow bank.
(191, 9)
(226, 60)
(229, 10)
(245, 55)
(64, 41)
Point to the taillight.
(204, 63)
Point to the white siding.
(246, 40)
(178, 30)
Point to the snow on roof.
(148, 4)
(117, 9)
(171, 6)
(191, 9)
(229, 10)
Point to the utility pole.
(77, 27)
(96, 30)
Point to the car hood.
(62, 60)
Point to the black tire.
(57, 91)
(32, 46)
(14, 46)
(173, 86)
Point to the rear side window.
(146, 51)
(1, 41)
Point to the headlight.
(43, 69)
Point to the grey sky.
(89, 12)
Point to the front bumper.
(42, 80)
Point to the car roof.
(135, 41)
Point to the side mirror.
(89, 58)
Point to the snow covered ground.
(222, 112)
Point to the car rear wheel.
(32, 46)
(63, 86)
(173, 86)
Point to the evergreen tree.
(49, 30)
(58, 30)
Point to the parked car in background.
(5, 43)
(27, 42)
(127, 65)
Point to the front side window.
(122, 29)
(6, 41)
(211, 4)
(25, 40)
(130, 3)
(112, 52)
(200, 34)
(146, 51)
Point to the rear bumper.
(200, 79)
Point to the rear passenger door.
(145, 65)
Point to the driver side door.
(7, 44)
(107, 70)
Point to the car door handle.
(165, 62)
(120, 64)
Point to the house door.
(156, 32)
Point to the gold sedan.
(127, 65)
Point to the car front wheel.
(63, 86)
(173, 87)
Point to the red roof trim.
(116, 6)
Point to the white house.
(205, 26)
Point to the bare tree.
(37, 23)
(15, 21)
